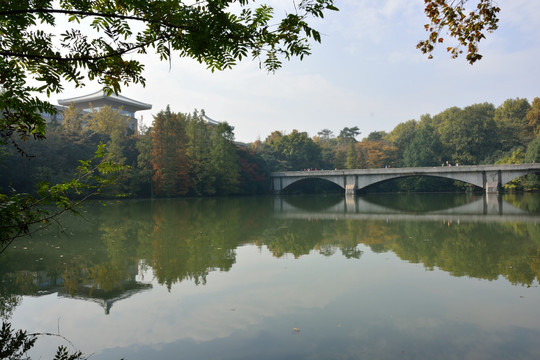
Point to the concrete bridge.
(488, 177)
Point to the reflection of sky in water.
(377, 307)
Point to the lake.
(426, 276)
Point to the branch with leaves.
(16, 344)
(218, 33)
(467, 26)
(24, 214)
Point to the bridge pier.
(492, 182)
(351, 185)
(277, 185)
(350, 190)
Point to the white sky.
(367, 73)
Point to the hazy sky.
(367, 73)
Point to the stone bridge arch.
(288, 181)
(488, 177)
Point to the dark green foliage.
(63, 354)
(512, 125)
(15, 344)
(401, 136)
(254, 177)
(376, 136)
(22, 214)
(296, 151)
(425, 149)
(199, 138)
(347, 134)
(469, 135)
(224, 160)
(533, 151)
(170, 162)
(533, 155)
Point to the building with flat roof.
(99, 99)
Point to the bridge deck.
(411, 170)
(489, 177)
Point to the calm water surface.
(376, 277)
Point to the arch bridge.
(489, 177)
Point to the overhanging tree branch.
(81, 58)
(468, 27)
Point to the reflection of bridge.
(489, 208)
(488, 177)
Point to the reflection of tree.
(526, 202)
(480, 250)
(299, 237)
(190, 238)
(293, 238)
(9, 298)
(84, 260)
(187, 239)
(419, 203)
(484, 251)
(8, 303)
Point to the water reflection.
(439, 206)
(102, 257)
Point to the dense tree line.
(180, 155)
(474, 135)
(189, 157)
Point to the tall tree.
(376, 135)
(271, 152)
(110, 122)
(352, 158)
(327, 141)
(533, 116)
(533, 151)
(512, 125)
(169, 158)
(402, 135)
(199, 149)
(326, 134)
(378, 154)
(73, 120)
(144, 171)
(356, 159)
(294, 151)
(225, 160)
(425, 148)
(347, 134)
(469, 134)
(533, 155)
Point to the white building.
(99, 99)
